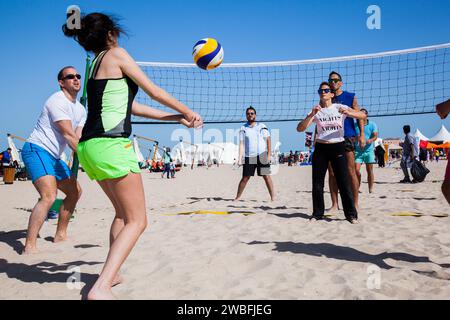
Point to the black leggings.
(334, 154)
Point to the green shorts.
(364, 156)
(107, 158)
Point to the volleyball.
(207, 54)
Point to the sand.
(260, 250)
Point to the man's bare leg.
(241, 187)
(47, 188)
(72, 190)
(358, 173)
(370, 176)
(269, 184)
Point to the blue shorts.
(364, 156)
(39, 162)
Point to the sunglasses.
(320, 91)
(334, 80)
(250, 113)
(72, 76)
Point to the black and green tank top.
(109, 105)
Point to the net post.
(83, 101)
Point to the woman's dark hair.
(93, 34)
(324, 84)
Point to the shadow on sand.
(332, 251)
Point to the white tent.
(158, 156)
(420, 136)
(276, 152)
(442, 135)
(225, 153)
(137, 150)
(14, 152)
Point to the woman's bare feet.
(60, 238)
(117, 280)
(101, 294)
(30, 250)
(332, 210)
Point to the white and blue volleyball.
(208, 54)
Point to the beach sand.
(260, 250)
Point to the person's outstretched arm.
(142, 110)
(132, 70)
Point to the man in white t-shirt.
(254, 152)
(59, 125)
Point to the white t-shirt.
(46, 134)
(330, 123)
(254, 139)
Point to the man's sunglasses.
(334, 80)
(72, 76)
(250, 113)
(320, 91)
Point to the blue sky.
(34, 48)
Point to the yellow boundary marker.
(417, 214)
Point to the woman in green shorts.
(105, 152)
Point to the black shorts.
(349, 144)
(259, 163)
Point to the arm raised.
(132, 70)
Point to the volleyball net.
(391, 83)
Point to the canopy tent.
(420, 136)
(184, 153)
(137, 150)
(155, 148)
(442, 136)
(394, 147)
(226, 153)
(14, 151)
(428, 145)
(444, 145)
(276, 152)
